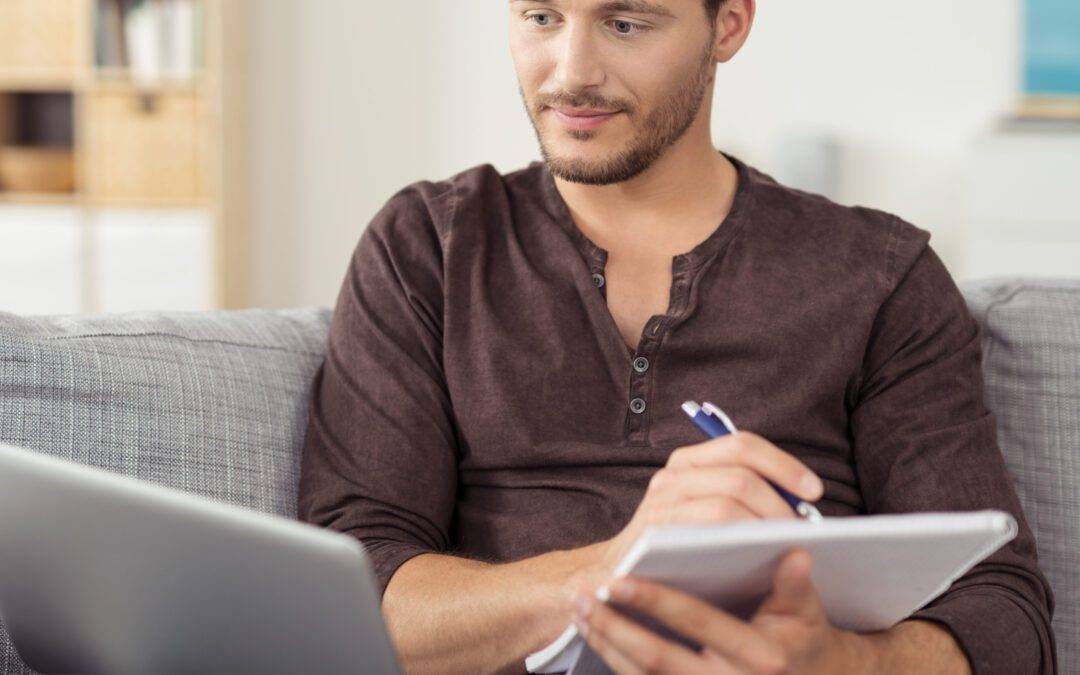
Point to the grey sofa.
(215, 403)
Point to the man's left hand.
(789, 633)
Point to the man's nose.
(579, 62)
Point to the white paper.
(870, 571)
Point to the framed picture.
(1052, 48)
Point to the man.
(498, 414)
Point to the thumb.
(793, 591)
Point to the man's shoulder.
(851, 239)
(438, 203)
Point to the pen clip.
(711, 409)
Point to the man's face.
(653, 69)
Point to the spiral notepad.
(870, 571)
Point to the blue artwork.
(1052, 47)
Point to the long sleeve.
(379, 456)
(924, 441)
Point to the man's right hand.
(719, 480)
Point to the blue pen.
(715, 423)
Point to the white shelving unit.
(157, 217)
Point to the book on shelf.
(149, 39)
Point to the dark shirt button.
(598, 279)
(637, 405)
(641, 364)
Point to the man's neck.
(669, 208)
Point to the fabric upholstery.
(211, 403)
(1031, 367)
(215, 403)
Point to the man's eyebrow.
(633, 6)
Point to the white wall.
(906, 85)
(355, 99)
(340, 100)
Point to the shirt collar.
(725, 231)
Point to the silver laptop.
(102, 573)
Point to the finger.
(729, 637)
(793, 591)
(706, 510)
(646, 650)
(616, 660)
(749, 449)
(739, 482)
(718, 663)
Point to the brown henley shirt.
(478, 399)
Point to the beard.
(660, 129)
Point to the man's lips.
(583, 118)
(585, 112)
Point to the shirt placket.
(641, 375)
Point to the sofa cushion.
(1031, 366)
(213, 403)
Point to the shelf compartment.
(145, 147)
(40, 262)
(43, 38)
(154, 260)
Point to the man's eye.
(543, 24)
(628, 28)
(622, 27)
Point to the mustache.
(580, 102)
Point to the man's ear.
(733, 23)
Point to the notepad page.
(870, 571)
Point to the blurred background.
(198, 154)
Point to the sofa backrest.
(215, 403)
(212, 403)
(1031, 368)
